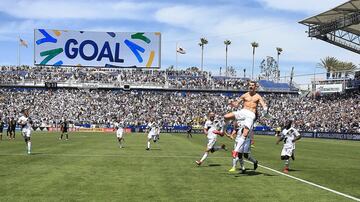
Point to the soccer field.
(91, 167)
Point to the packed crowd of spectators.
(188, 79)
(333, 113)
(328, 113)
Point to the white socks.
(241, 162)
(235, 160)
(287, 163)
(204, 157)
(29, 147)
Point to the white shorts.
(211, 143)
(245, 117)
(287, 151)
(150, 135)
(119, 134)
(245, 148)
(26, 133)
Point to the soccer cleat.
(147, 149)
(67, 139)
(223, 147)
(29, 152)
(233, 169)
(198, 163)
(243, 170)
(256, 165)
(293, 157)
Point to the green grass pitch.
(91, 167)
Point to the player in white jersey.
(241, 150)
(250, 101)
(212, 129)
(289, 135)
(152, 133)
(25, 123)
(119, 133)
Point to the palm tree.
(203, 42)
(278, 50)
(328, 63)
(227, 43)
(254, 46)
(333, 65)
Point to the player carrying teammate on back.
(246, 115)
(243, 151)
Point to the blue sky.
(271, 23)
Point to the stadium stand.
(117, 78)
(99, 108)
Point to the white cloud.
(186, 24)
(218, 25)
(306, 6)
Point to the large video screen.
(97, 49)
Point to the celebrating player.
(246, 115)
(152, 133)
(212, 128)
(119, 133)
(289, 135)
(240, 151)
(64, 129)
(25, 123)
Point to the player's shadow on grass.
(253, 173)
(214, 165)
(36, 153)
(293, 170)
(155, 149)
(248, 173)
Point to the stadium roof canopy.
(339, 26)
